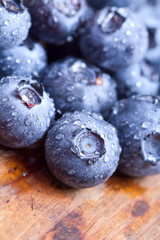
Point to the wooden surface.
(35, 206)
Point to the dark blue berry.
(57, 21)
(26, 112)
(27, 59)
(82, 150)
(137, 120)
(141, 78)
(14, 23)
(76, 85)
(115, 38)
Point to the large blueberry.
(114, 38)
(26, 112)
(137, 120)
(57, 21)
(82, 150)
(141, 78)
(27, 59)
(74, 84)
(14, 23)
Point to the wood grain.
(35, 206)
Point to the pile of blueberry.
(83, 77)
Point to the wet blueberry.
(74, 84)
(141, 78)
(57, 21)
(26, 112)
(27, 59)
(137, 120)
(115, 38)
(82, 150)
(14, 23)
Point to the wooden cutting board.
(34, 205)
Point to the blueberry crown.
(111, 20)
(88, 145)
(13, 5)
(81, 72)
(30, 93)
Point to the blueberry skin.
(26, 112)
(141, 78)
(137, 120)
(15, 23)
(134, 4)
(74, 84)
(56, 22)
(114, 39)
(82, 150)
(27, 59)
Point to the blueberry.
(27, 59)
(14, 23)
(115, 38)
(116, 3)
(141, 78)
(77, 85)
(137, 120)
(82, 150)
(57, 21)
(26, 112)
